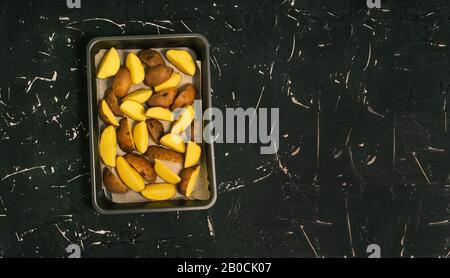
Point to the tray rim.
(93, 153)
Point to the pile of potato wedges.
(134, 119)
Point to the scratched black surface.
(363, 155)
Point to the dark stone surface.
(373, 158)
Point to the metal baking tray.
(198, 44)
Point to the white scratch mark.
(309, 242)
(42, 167)
(293, 49)
(420, 167)
(30, 83)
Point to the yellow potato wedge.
(161, 153)
(185, 120)
(106, 114)
(124, 136)
(112, 182)
(159, 191)
(108, 146)
(193, 152)
(109, 65)
(173, 81)
(139, 96)
(140, 136)
(142, 165)
(136, 68)
(160, 113)
(134, 110)
(129, 176)
(188, 180)
(182, 60)
(166, 173)
(174, 142)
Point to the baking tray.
(197, 43)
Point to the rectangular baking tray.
(196, 42)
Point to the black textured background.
(364, 144)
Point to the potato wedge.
(155, 129)
(110, 64)
(112, 182)
(159, 191)
(124, 137)
(159, 113)
(122, 82)
(161, 153)
(134, 110)
(135, 67)
(112, 102)
(184, 120)
(174, 142)
(188, 179)
(106, 114)
(186, 96)
(129, 176)
(108, 146)
(163, 99)
(157, 75)
(140, 136)
(173, 81)
(142, 165)
(151, 57)
(166, 173)
(140, 96)
(182, 60)
(193, 152)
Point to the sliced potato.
(106, 114)
(128, 175)
(112, 102)
(174, 142)
(163, 99)
(108, 146)
(159, 191)
(188, 180)
(161, 153)
(182, 60)
(173, 81)
(185, 120)
(134, 110)
(122, 82)
(151, 57)
(142, 165)
(124, 137)
(155, 129)
(186, 96)
(110, 64)
(159, 113)
(112, 182)
(139, 96)
(193, 152)
(157, 75)
(166, 173)
(135, 67)
(140, 136)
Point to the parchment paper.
(201, 191)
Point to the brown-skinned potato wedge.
(157, 152)
(151, 57)
(113, 103)
(124, 136)
(186, 96)
(142, 165)
(185, 185)
(112, 182)
(122, 82)
(155, 129)
(162, 99)
(157, 75)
